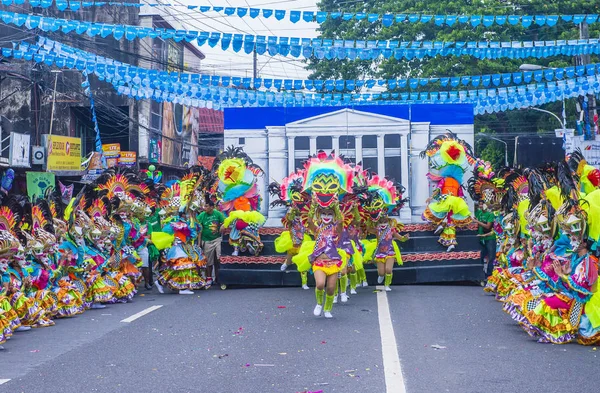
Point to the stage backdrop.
(386, 139)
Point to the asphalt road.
(267, 340)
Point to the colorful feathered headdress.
(588, 176)
(449, 155)
(326, 178)
(237, 175)
(382, 196)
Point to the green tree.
(507, 122)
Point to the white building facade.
(386, 139)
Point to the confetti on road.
(35, 351)
(281, 307)
(436, 346)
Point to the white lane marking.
(3, 381)
(394, 381)
(141, 314)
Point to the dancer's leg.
(331, 287)
(389, 273)
(304, 278)
(320, 279)
(380, 272)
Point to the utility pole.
(56, 72)
(584, 33)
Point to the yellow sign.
(127, 158)
(64, 153)
(111, 149)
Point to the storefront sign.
(96, 161)
(64, 153)
(128, 158)
(112, 152)
(155, 150)
(38, 183)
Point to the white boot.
(344, 297)
(438, 230)
(388, 289)
(97, 306)
(186, 292)
(235, 252)
(305, 287)
(318, 310)
(335, 299)
(328, 314)
(159, 287)
(353, 291)
(380, 279)
(23, 328)
(365, 284)
(284, 267)
(451, 248)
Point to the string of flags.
(295, 16)
(320, 48)
(484, 100)
(165, 79)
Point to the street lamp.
(499, 140)
(562, 122)
(532, 67)
(537, 67)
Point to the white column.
(405, 213)
(405, 160)
(276, 163)
(358, 147)
(335, 146)
(313, 145)
(380, 155)
(291, 146)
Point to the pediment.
(350, 117)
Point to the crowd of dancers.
(332, 207)
(547, 224)
(59, 258)
(539, 229)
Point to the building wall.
(272, 138)
(30, 108)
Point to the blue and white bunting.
(295, 16)
(320, 48)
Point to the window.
(242, 141)
(391, 141)
(324, 143)
(369, 141)
(302, 143)
(370, 164)
(348, 147)
(347, 142)
(393, 168)
(155, 115)
(299, 163)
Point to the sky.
(228, 62)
